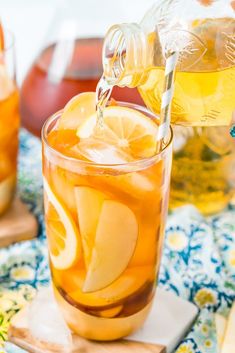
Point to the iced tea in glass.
(106, 201)
(9, 121)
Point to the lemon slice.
(63, 235)
(89, 203)
(115, 242)
(64, 189)
(77, 110)
(127, 129)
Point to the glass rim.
(10, 43)
(135, 163)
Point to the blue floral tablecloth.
(198, 262)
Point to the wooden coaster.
(17, 224)
(20, 335)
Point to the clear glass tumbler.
(115, 213)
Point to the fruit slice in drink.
(77, 110)
(64, 238)
(125, 128)
(132, 280)
(89, 204)
(109, 232)
(128, 135)
(114, 245)
(110, 184)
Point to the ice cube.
(100, 152)
(46, 322)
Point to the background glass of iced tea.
(125, 207)
(70, 61)
(9, 122)
(203, 170)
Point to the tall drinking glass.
(9, 122)
(105, 225)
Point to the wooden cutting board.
(17, 224)
(21, 336)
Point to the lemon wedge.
(127, 129)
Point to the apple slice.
(89, 203)
(131, 280)
(109, 313)
(229, 338)
(115, 242)
(220, 324)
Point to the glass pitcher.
(70, 61)
(203, 170)
(134, 56)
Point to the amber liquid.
(9, 126)
(203, 168)
(45, 91)
(202, 171)
(111, 309)
(205, 92)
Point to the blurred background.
(30, 21)
(59, 50)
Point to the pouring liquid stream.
(104, 87)
(103, 93)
